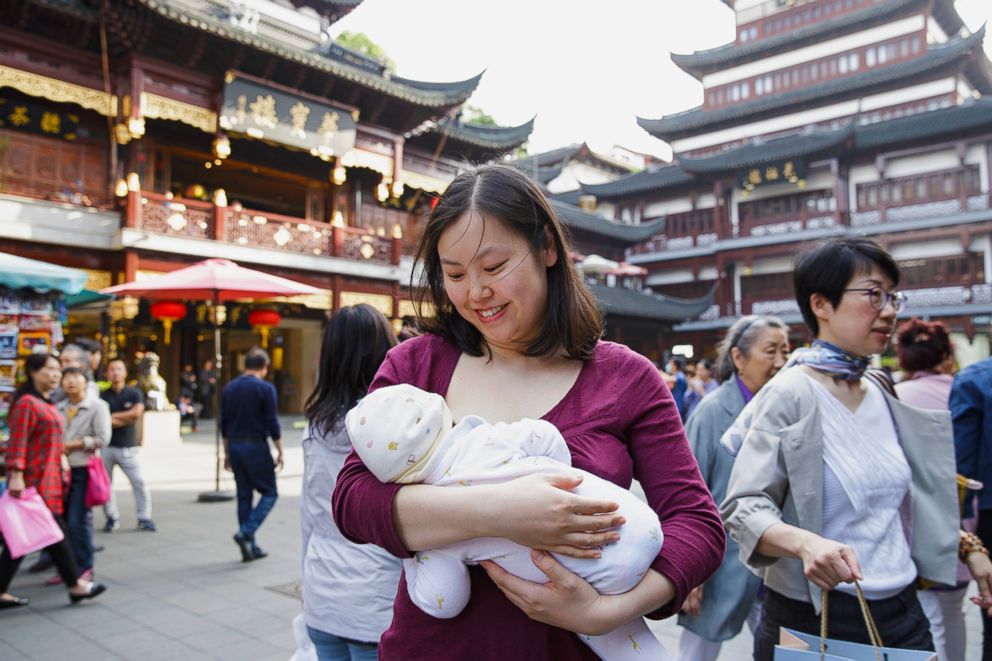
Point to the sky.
(585, 68)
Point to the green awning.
(19, 272)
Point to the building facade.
(824, 118)
(137, 138)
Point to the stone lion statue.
(152, 384)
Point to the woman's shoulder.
(614, 355)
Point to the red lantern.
(168, 312)
(264, 320)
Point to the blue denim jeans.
(335, 648)
(254, 470)
(76, 519)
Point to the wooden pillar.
(396, 300)
(842, 198)
(336, 292)
(883, 201)
(130, 265)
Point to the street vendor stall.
(32, 312)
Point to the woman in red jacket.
(34, 459)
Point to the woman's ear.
(550, 249)
(821, 307)
(737, 356)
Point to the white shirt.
(866, 482)
(348, 589)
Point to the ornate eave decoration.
(59, 91)
(160, 107)
(424, 182)
(360, 158)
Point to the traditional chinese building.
(138, 137)
(824, 118)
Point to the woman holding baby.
(516, 335)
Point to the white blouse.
(866, 481)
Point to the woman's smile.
(490, 315)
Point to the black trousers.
(60, 552)
(900, 619)
(985, 534)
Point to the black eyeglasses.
(878, 298)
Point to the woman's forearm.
(784, 541)
(427, 517)
(653, 592)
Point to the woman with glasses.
(819, 495)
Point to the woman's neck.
(826, 336)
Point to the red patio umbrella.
(214, 280)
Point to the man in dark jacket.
(248, 419)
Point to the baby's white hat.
(395, 429)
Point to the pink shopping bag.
(26, 523)
(98, 484)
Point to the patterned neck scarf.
(831, 360)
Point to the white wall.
(822, 114)
(908, 25)
(671, 277)
(782, 264)
(575, 173)
(665, 207)
(925, 250)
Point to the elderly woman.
(517, 335)
(753, 351)
(819, 494)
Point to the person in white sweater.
(405, 435)
(348, 589)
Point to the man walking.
(126, 406)
(248, 420)
(971, 402)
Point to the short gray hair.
(77, 353)
(742, 334)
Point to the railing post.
(132, 214)
(220, 214)
(336, 241)
(397, 251)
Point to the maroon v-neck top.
(620, 423)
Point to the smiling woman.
(517, 336)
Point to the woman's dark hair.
(32, 365)
(742, 334)
(355, 343)
(830, 266)
(922, 345)
(573, 322)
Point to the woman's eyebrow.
(482, 253)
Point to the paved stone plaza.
(183, 593)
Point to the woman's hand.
(565, 601)
(981, 570)
(828, 563)
(693, 602)
(15, 483)
(540, 512)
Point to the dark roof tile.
(579, 220)
(630, 303)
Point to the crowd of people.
(788, 482)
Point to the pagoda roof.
(972, 115)
(562, 155)
(807, 144)
(473, 142)
(644, 181)
(936, 60)
(625, 302)
(703, 62)
(580, 221)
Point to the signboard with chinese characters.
(262, 111)
(38, 119)
(792, 172)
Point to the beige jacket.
(91, 423)
(778, 477)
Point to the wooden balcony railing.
(195, 219)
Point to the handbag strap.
(873, 635)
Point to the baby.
(405, 435)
